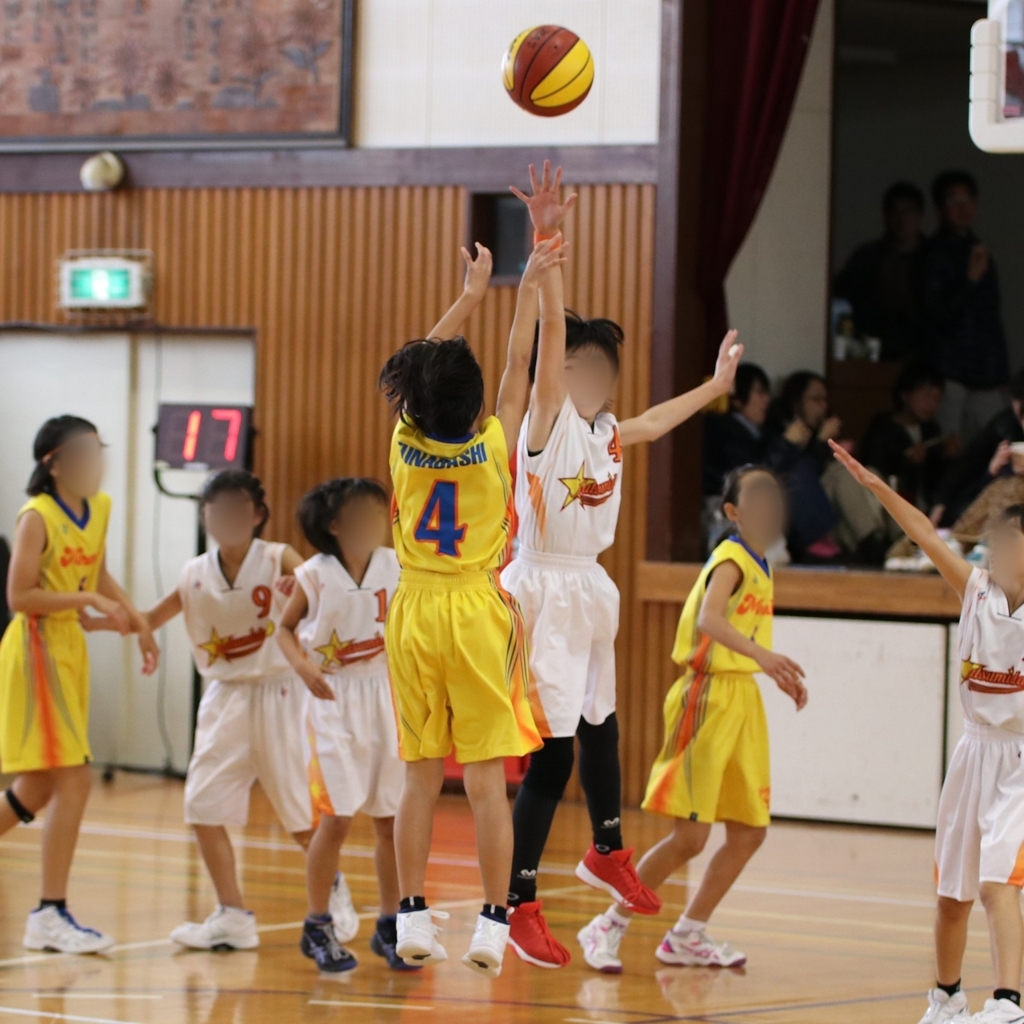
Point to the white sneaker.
(57, 931)
(343, 911)
(226, 928)
(697, 949)
(417, 937)
(600, 941)
(944, 1008)
(998, 1011)
(487, 947)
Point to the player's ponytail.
(320, 508)
(236, 481)
(438, 386)
(52, 436)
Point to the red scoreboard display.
(190, 436)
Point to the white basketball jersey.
(568, 496)
(991, 644)
(343, 631)
(231, 626)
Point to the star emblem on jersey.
(985, 680)
(231, 648)
(586, 490)
(337, 652)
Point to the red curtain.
(756, 52)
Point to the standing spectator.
(828, 520)
(962, 311)
(882, 280)
(905, 445)
(736, 438)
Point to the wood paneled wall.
(332, 280)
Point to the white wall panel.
(428, 73)
(868, 746)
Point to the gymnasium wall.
(419, 67)
(331, 281)
(778, 285)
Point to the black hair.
(51, 435)
(600, 333)
(731, 494)
(1017, 386)
(902, 192)
(437, 385)
(236, 481)
(1014, 514)
(916, 374)
(747, 375)
(951, 179)
(320, 507)
(792, 394)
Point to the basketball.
(548, 70)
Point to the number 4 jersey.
(452, 507)
(231, 626)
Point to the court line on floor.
(70, 993)
(377, 1006)
(244, 842)
(47, 1015)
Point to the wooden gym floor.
(836, 923)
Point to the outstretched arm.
(660, 419)
(917, 526)
(478, 275)
(515, 383)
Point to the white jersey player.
(568, 493)
(979, 838)
(332, 632)
(250, 719)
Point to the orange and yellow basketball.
(548, 70)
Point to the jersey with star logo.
(343, 631)
(231, 626)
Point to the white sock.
(685, 925)
(618, 919)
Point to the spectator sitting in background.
(882, 280)
(736, 438)
(828, 519)
(963, 322)
(987, 456)
(905, 446)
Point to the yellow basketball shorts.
(44, 694)
(459, 668)
(714, 765)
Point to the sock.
(1007, 993)
(495, 913)
(534, 811)
(685, 925)
(617, 918)
(601, 780)
(59, 904)
(318, 918)
(411, 903)
(950, 990)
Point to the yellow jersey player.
(58, 569)
(455, 639)
(713, 765)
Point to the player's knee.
(485, 780)
(747, 838)
(385, 829)
(950, 909)
(551, 768)
(688, 839)
(992, 894)
(75, 779)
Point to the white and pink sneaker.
(697, 949)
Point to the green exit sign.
(100, 285)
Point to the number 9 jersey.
(452, 507)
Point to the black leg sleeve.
(601, 779)
(534, 811)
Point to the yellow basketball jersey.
(452, 506)
(74, 548)
(749, 610)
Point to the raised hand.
(552, 252)
(478, 271)
(729, 356)
(860, 473)
(546, 210)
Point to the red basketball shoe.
(530, 938)
(614, 873)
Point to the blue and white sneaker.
(343, 911)
(383, 943)
(320, 944)
(227, 928)
(55, 930)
